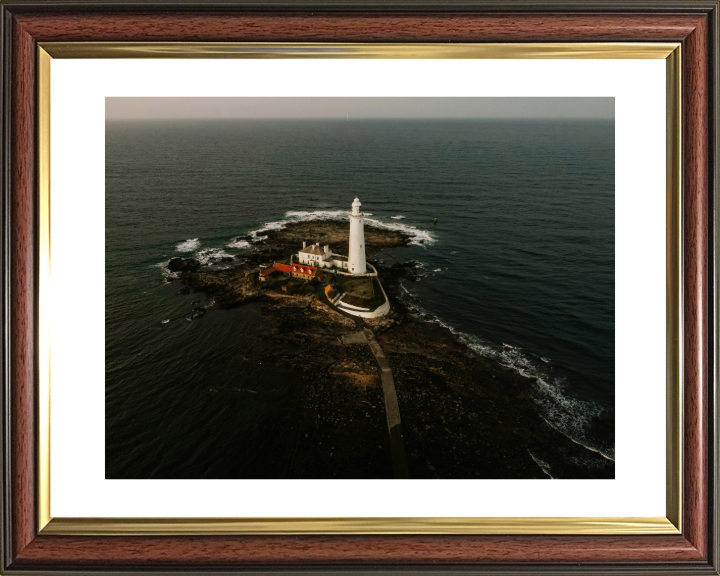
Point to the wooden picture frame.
(29, 546)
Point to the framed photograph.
(367, 288)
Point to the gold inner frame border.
(671, 524)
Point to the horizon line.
(341, 119)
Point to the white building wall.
(312, 260)
(323, 260)
(356, 255)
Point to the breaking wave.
(239, 244)
(188, 245)
(257, 235)
(417, 237)
(397, 217)
(317, 215)
(166, 271)
(544, 466)
(568, 415)
(210, 255)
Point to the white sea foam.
(421, 270)
(267, 227)
(417, 237)
(165, 272)
(600, 452)
(587, 461)
(239, 244)
(569, 416)
(316, 215)
(211, 255)
(397, 217)
(544, 466)
(412, 294)
(188, 245)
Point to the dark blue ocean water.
(520, 264)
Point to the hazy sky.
(164, 108)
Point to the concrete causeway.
(355, 338)
(397, 440)
(392, 411)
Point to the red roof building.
(303, 271)
(276, 267)
(294, 270)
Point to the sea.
(520, 265)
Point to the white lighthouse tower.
(356, 254)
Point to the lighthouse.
(356, 254)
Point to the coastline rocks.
(196, 313)
(463, 416)
(183, 265)
(332, 232)
(237, 283)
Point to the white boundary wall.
(380, 311)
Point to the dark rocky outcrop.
(464, 416)
(183, 265)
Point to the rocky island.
(463, 415)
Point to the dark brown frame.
(693, 23)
